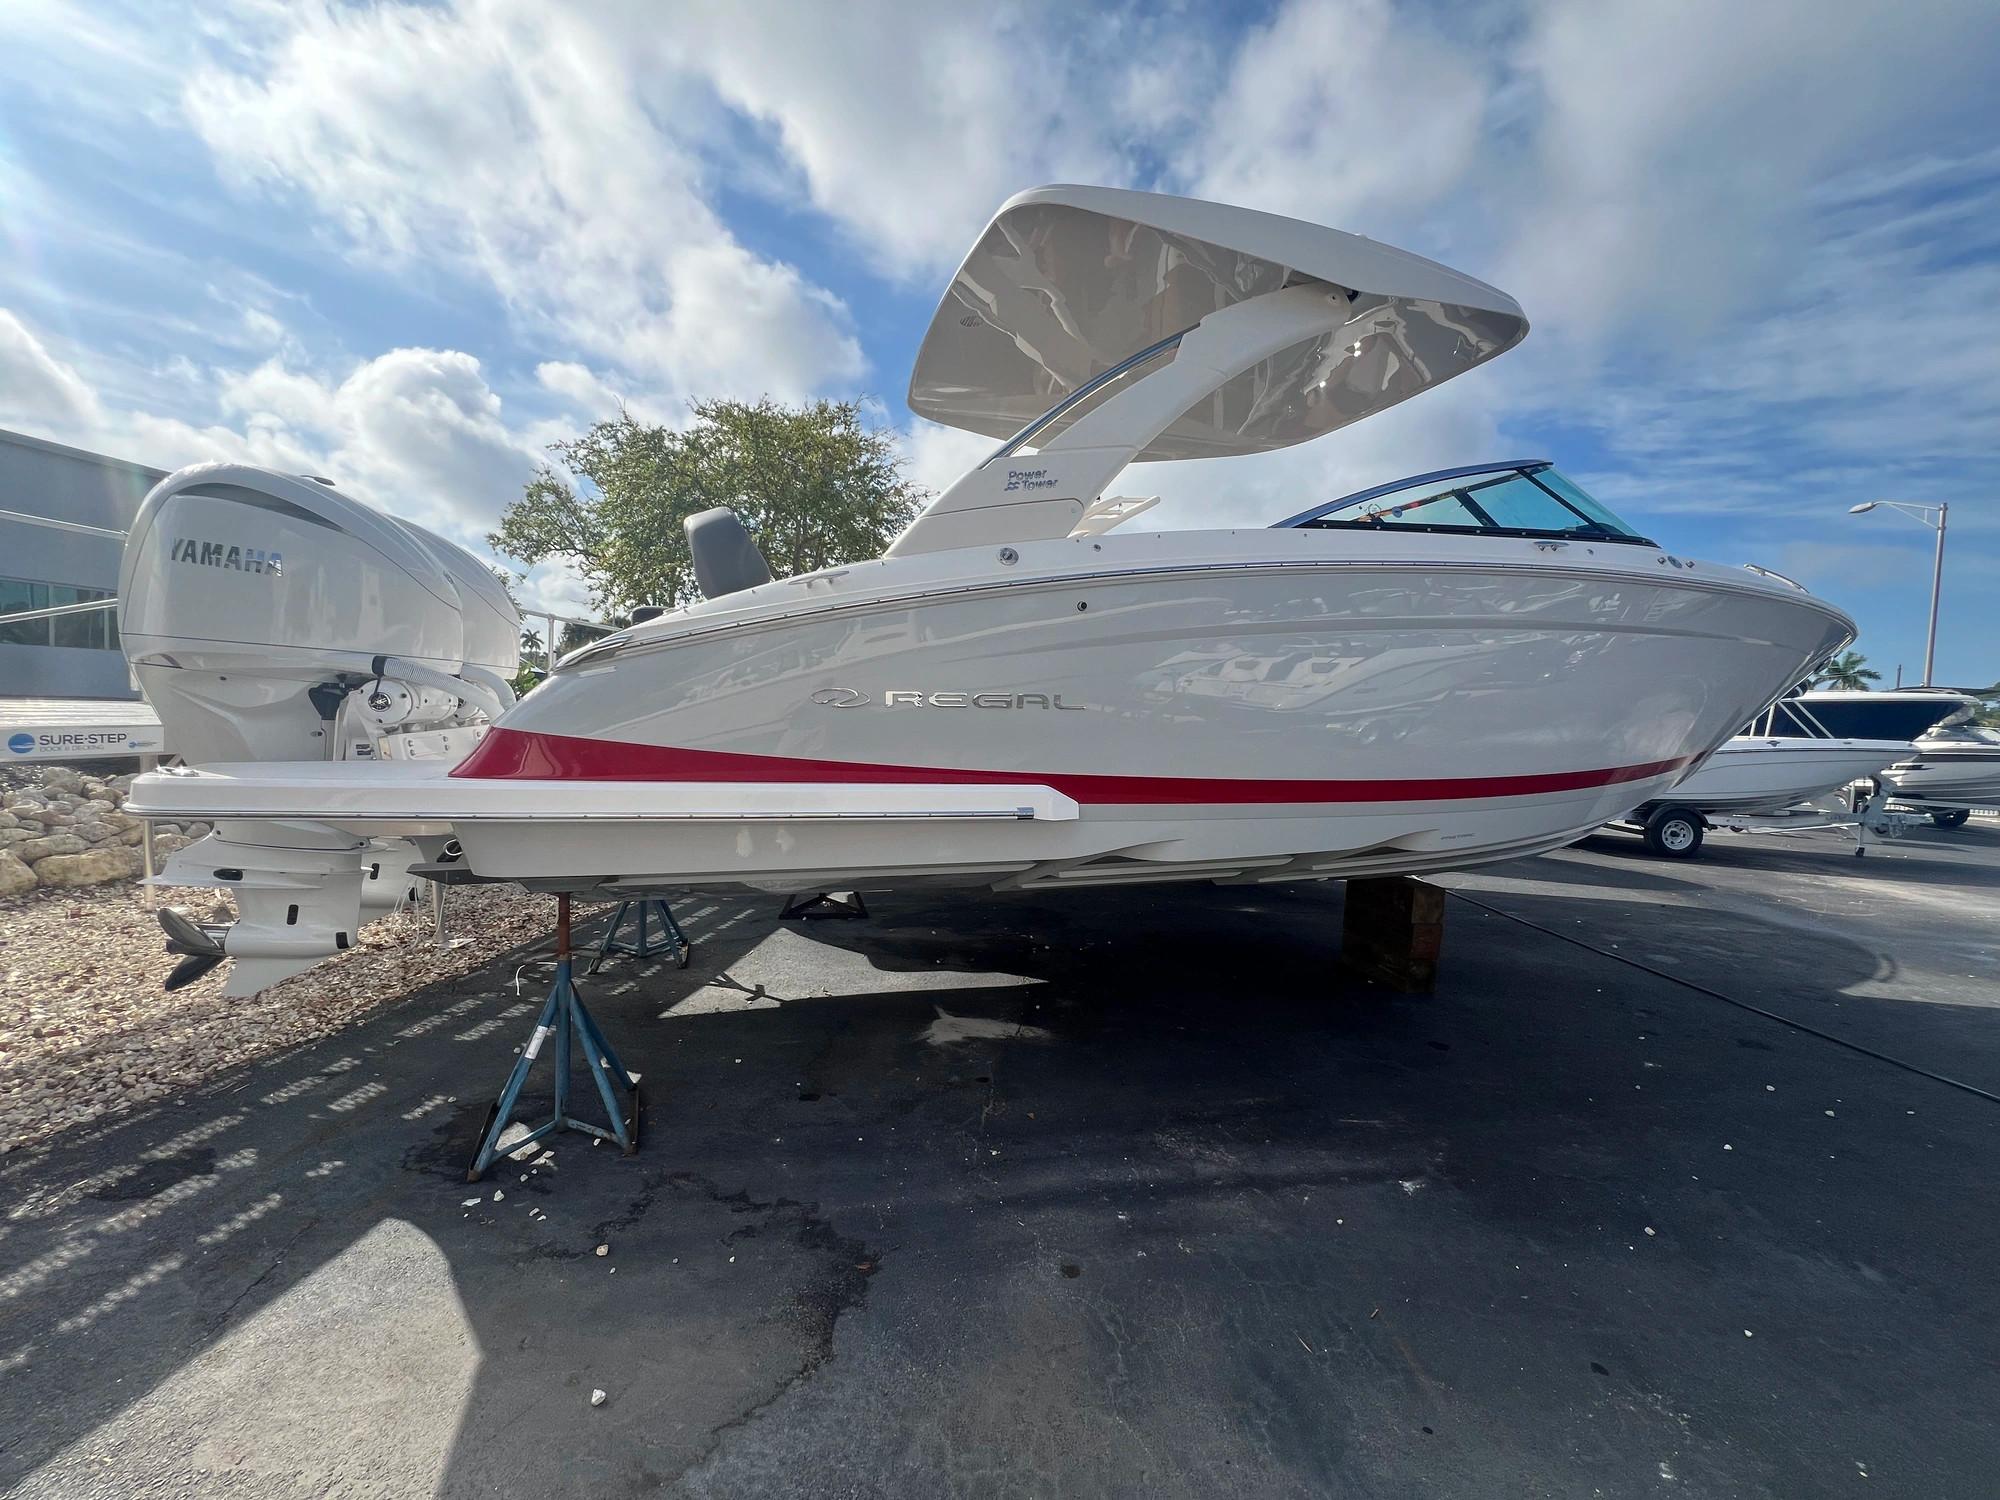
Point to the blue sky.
(409, 245)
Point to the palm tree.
(1848, 670)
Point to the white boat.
(1950, 770)
(1474, 665)
(1950, 766)
(1763, 774)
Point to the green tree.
(815, 487)
(533, 670)
(1850, 670)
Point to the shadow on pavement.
(1122, 1192)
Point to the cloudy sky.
(407, 245)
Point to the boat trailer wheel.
(1674, 832)
(1952, 817)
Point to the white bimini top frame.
(1100, 327)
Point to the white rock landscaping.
(15, 876)
(87, 1030)
(67, 829)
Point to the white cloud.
(738, 325)
(415, 431)
(936, 456)
(271, 393)
(556, 588)
(1676, 149)
(1866, 373)
(46, 395)
(35, 387)
(581, 389)
(422, 425)
(535, 149)
(1342, 114)
(88, 61)
(909, 122)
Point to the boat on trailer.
(1755, 784)
(1019, 695)
(1786, 771)
(1750, 774)
(1949, 764)
(1951, 771)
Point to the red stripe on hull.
(512, 754)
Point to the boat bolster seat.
(726, 560)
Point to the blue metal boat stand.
(671, 935)
(564, 1018)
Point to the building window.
(95, 630)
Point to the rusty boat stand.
(565, 1019)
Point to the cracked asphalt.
(1112, 1193)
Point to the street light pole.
(1937, 585)
(1922, 513)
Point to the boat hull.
(1751, 774)
(1101, 845)
(1294, 711)
(1952, 778)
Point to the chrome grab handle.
(1774, 573)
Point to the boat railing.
(1084, 392)
(1799, 714)
(1763, 572)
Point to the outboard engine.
(268, 617)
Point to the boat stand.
(824, 904)
(643, 945)
(563, 1016)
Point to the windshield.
(1529, 499)
(1974, 734)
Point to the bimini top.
(1068, 282)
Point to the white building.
(73, 656)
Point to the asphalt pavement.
(1680, 1183)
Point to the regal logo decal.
(237, 559)
(846, 697)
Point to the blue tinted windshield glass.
(1528, 499)
(1573, 494)
(1518, 503)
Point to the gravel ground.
(85, 1028)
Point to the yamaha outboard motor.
(268, 617)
